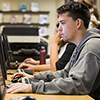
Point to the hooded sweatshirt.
(81, 77)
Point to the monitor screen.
(2, 59)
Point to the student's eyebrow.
(62, 21)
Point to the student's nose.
(60, 28)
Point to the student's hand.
(22, 75)
(19, 87)
(56, 39)
(27, 66)
(30, 60)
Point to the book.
(14, 19)
(43, 19)
(22, 6)
(5, 6)
(34, 7)
(1, 17)
(43, 31)
(27, 19)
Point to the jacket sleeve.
(61, 63)
(79, 80)
(48, 76)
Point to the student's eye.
(62, 22)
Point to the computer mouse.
(7, 86)
(26, 98)
(15, 79)
(10, 73)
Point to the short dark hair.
(76, 10)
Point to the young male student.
(82, 74)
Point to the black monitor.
(8, 47)
(2, 82)
(8, 54)
(2, 59)
(7, 50)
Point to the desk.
(49, 97)
(46, 97)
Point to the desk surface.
(46, 97)
(49, 97)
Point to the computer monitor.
(2, 83)
(6, 47)
(2, 59)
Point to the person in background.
(94, 21)
(95, 17)
(82, 74)
(58, 58)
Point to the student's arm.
(61, 63)
(54, 41)
(53, 56)
(22, 74)
(31, 60)
(43, 67)
(79, 80)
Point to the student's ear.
(78, 23)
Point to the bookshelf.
(21, 12)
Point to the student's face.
(67, 27)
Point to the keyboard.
(28, 80)
(26, 71)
